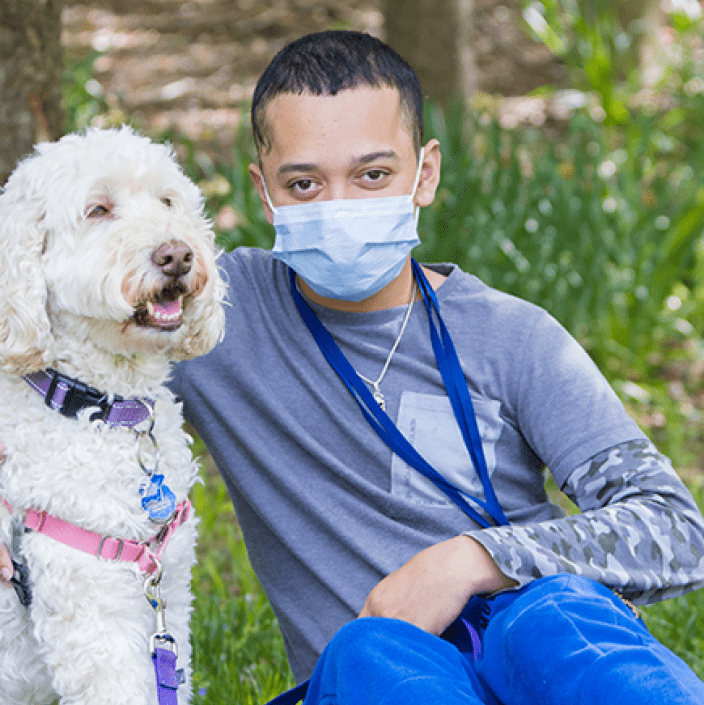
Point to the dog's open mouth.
(164, 313)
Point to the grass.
(238, 650)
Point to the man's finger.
(6, 569)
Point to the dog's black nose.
(174, 258)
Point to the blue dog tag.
(158, 500)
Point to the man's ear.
(429, 174)
(255, 173)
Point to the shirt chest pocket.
(428, 422)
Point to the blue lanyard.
(455, 384)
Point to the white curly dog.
(108, 273)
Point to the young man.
(337, 524)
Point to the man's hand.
(433, 587)
(6, 569)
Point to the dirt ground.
(190, 64)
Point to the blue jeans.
(562, 640)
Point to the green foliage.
(238, 652)
(677, 624)
(593, 43)
(82, 99)
(597, 227)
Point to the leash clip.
(78, 395)
(161, 637)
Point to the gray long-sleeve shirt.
(327, 510)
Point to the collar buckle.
(77, 396)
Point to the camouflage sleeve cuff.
(639, 530)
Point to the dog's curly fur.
(86, 225)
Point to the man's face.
(356, 144)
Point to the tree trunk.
(425, 33)
(459, 46)
(30, 77)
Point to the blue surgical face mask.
(348, 248)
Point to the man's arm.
(639, 532)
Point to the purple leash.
(162, 646)
(167, 680)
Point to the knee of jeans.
(562, 608)
(360, 639)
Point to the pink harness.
(107, 547)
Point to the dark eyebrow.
(364, 159)
(287, 168)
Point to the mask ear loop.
(268, 198)
(416, 209)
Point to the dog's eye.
(98, 211)
(167, 201)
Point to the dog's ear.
(25, 331)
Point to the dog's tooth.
(150, 308)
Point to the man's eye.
(303, 185)
(98, 211)
(374, 177)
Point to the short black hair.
(325, 63)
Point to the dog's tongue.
(165, 314)
(168, 308)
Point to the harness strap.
(107, 547)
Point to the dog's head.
(103, 241)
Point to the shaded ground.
(190, 64)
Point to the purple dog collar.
(68, 396)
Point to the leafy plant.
(597, 228)
(593, 42)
